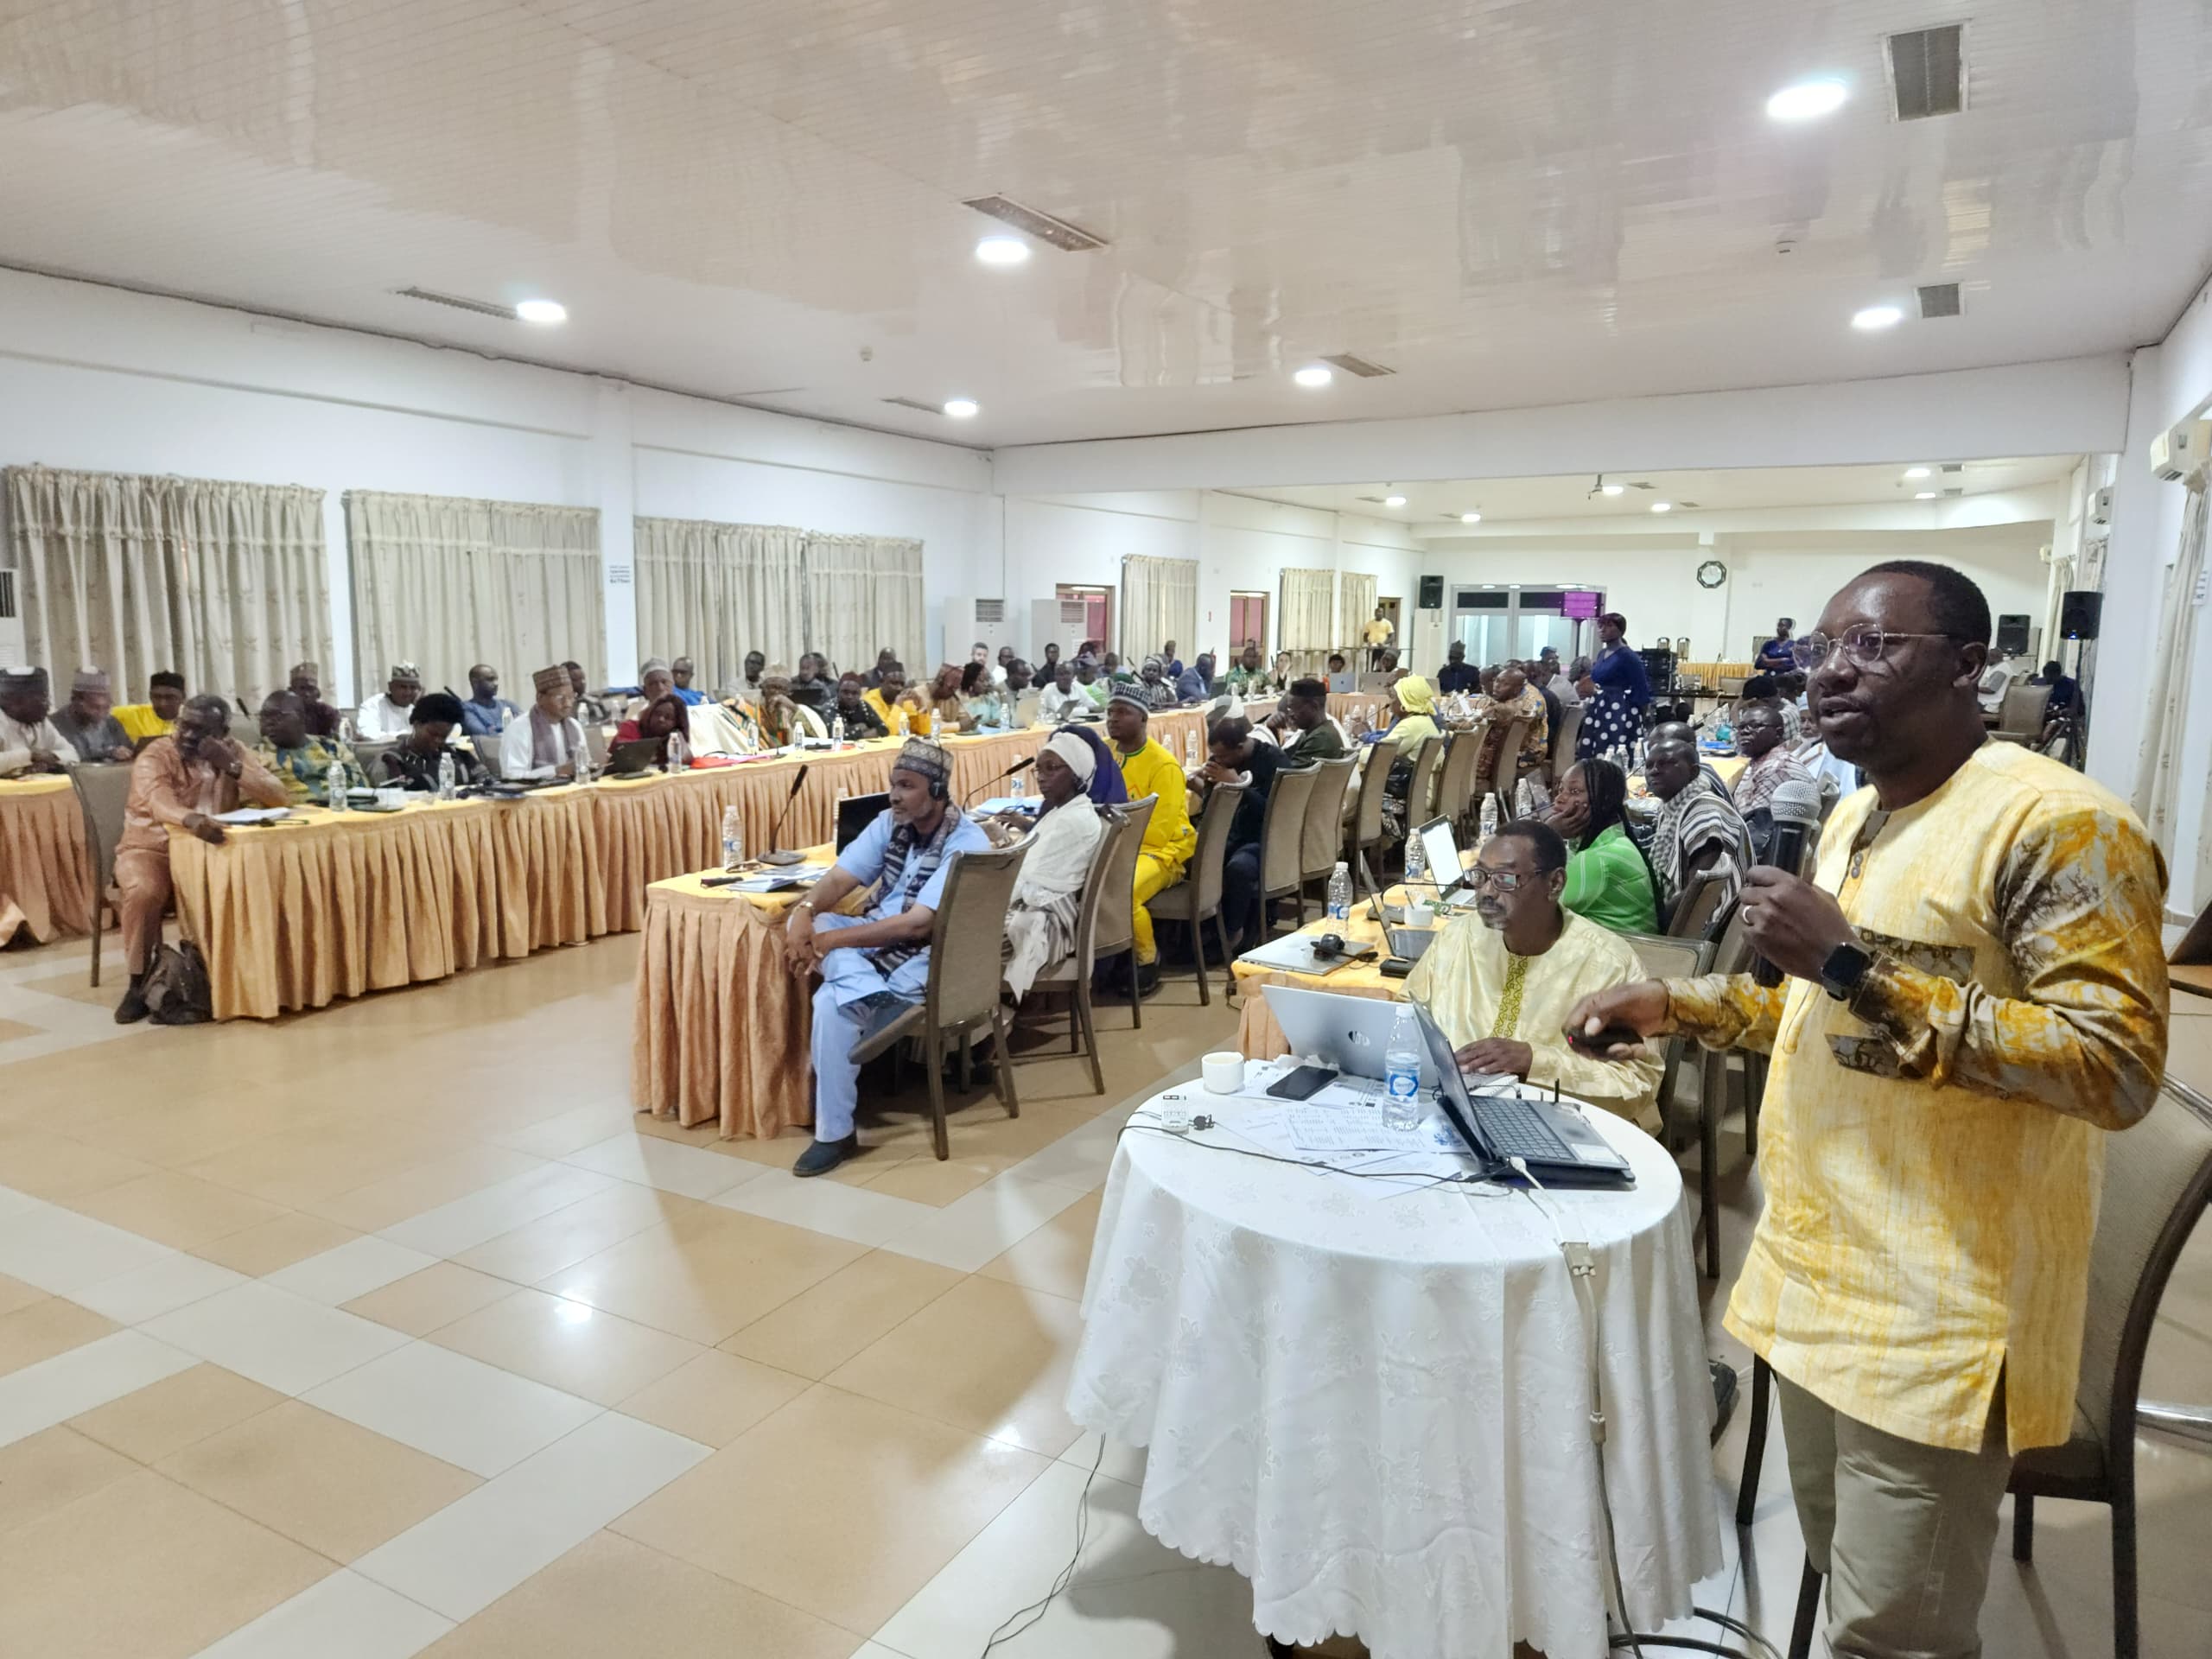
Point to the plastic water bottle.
(837, 731)
(1416, 860)
(733, 838)
(1019, 789)
(1401, 1073)
(1340, 893)
(446, 776)
(1190, 747)
(679, 752)
(334, 783)
(1490, 817)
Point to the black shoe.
(823, 1156)
(1147, 978)
(132, 1009)
(1724, 1396)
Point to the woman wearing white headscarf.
(1040, 922)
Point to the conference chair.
(1072, 975)
(1364, 827)
(1666, 958)
(595, 745)
(488, 751)
(101, 793)
(1697, 913)
(371, 756)
(1325, 824)
(1456, 782)
(2020, 717)
(1116, 932)
(1562, 754)
(963, 991)
(1421, 792)
(1706, 1086)
(1282, 834)
(1197, 898)
(2157, 1181)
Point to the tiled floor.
(391, 1330)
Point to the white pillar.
(614, 467)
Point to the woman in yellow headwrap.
(1412, 724)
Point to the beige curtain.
(713, 592)
(1308, 598)
(1355, 606)
(448, 581)
(223, 583)
(864, 593)
(1160, 602)
(2158, 772)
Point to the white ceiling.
(1509, 204)
(1433, 508)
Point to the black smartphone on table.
(1304, 1084)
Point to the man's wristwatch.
(1845, 970)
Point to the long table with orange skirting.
(43, 885)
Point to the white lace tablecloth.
(1372, 1401)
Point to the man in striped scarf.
(1698, 828)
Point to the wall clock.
(1711, 574)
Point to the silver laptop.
(1343, 684)
(1442, 847)
(1025, 709)
(1349, 1033)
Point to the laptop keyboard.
(1516, 1129)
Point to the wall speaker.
(1431, 593)
(2078, 614)
(2012, 633)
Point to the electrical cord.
(1037, 1609)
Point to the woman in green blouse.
(1607, 878)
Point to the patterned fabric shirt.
(305, 772)
(1756, 784)
(1932, 1152)
(1695, 819)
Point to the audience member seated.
(390, 713)
(1040, 922)
(1608, 880)
(549, 742)
(681, 673)
(1049, 662)
(1413, 722)
(782, 723)
(305, 683)
(747, 691)
(1003, 668)
(1566, 685)
(1765, 690)
(1500, 982)
(1170, 664)
(412, 763)
(1152, 684)
(1235, 756)
(885, 660)
(85, 723)
(1147, 768)
(1020, 677)
(1996, 679)
(1336, 664)
(1106, 788)
(485, 714)
(982, 702)
(1386, 664)
(853, 708)
(156, 716)
(811, 687)
(875, 965)
(885, 697)
(947, 714)
(28, 739)
(2065, 692)
(1513, 698)
(666, 717)
(1769, 760)
(303, 762)
(1089, 682)
(592, 711)
(1112, 670)
(1682, 731)
(1195, 684)
(1302, 725)
(1458, 676)
(180, 781)
(1248, 675)
(1698, 829)
(1063, 699)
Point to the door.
(1248, 620)
(1097, 611)
(1390, 609)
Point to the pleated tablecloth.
(721, 1027)
(1373, 1400)
(296, 915)
(45, 884)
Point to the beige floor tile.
(538, 1248)
(611, 1595)
(567, 1132)
(826, 1325)
(987, 1357)
(15, 1294)
(422, 1301)
(715, 1397)
(141, 1568)
(706, 1275)
(836, 1504)
(303, 1165)
(318, 1480)
(42, 1329)
(177, 1209)
(57, 1168)
(168, 1415)
(383, 1203)
(11, 1029)
(50, 1470)
(568, 1345)
(1056, 1257)
(174, 1128)
(275, 1244)
(925, 1180)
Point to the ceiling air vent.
(1955, 466)
(916, 403)
(482, 308)
(1358, 365)
(1927, 72)
(7, 594)
(1939, 300)
(1053, 232)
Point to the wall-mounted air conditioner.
(13, 650)
(2178, 451)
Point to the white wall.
(101, 379)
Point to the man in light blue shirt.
(875, 966)
(485, 714)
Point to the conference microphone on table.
(776, 834)
(1022, 765)
(1795, 807)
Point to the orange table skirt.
(44, 882)
(1258, 1036)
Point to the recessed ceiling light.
(1613, 489)
(543, 311)
(1470, 517)
(1917, 472)
(1393, 501)
(1924, 495)
(1876, 316)
(961, 409)
(1663, 507)
(1807, 100)
(1313, 376)
(1003, 251)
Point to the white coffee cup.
(1223, 1071)
(1420, 913)
(391, 797)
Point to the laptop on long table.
(1559, 1147)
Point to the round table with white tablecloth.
(1372, 1400)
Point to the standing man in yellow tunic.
(1975, 993)
(1148, 769)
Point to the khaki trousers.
(1903, 1531)
(142, 882)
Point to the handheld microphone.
(1022, 765)
(776, 834)
(1796, 809)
